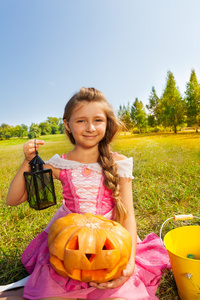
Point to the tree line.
(52, 125)
(171, 111)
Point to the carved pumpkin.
(88, 248)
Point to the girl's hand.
(29, 149)
(17, 192)
(116, 282)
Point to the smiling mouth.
(90, 136)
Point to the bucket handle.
(176, 218)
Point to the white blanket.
(14, 285)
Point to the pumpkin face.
(88, 248)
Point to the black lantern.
(39, 184)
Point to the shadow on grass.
(11, 270)
(167, 289)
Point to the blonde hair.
(106, 157)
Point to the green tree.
(61, 125)
(53, 120)
(24, 130)
(34, 131)
(171, 104)
(124, 114)
(16, 130)
(154, 109)
(5, 131)
(192, 101)
(54, 129)
(45, 128)
(138, 115)
(20, 130)
(54, 123)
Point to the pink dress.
(84, 191)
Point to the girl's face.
(87, 124)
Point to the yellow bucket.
(180, 243)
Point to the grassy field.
(166, 182)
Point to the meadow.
(166, 182)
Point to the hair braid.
(111, 179)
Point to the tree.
(192, 101)
(54, 129)
(5, 131)
(154, 109)
(124, 114)
(61, 125)
(20, 130)
(53, 120)
(54, 123)
(138, 115)
(16, 130)
(34, 131)
(45, 128)
(171, 104)
(24, 130)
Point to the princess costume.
(84, 192)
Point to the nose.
(90, 127)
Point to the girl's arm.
(130, 225)
(17, 191)
(130, 222)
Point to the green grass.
(167, 176)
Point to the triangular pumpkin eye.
(73, 243)
(108, 245)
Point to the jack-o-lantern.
(88, 248)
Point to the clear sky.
(51, 48)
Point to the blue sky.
(51, 48)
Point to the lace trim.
(57, 162)
(125, 166)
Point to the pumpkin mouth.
(98, 275)
(89, 275)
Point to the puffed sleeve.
(125, 167)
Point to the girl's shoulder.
(125, 165)
(118, 156)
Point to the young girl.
(94, 180)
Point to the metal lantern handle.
(35, 144)
(176, 218)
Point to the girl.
(94, 180)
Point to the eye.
(80, 121)
(73, 243)
(108, 245)
(99, 120)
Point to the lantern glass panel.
(40, 189)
